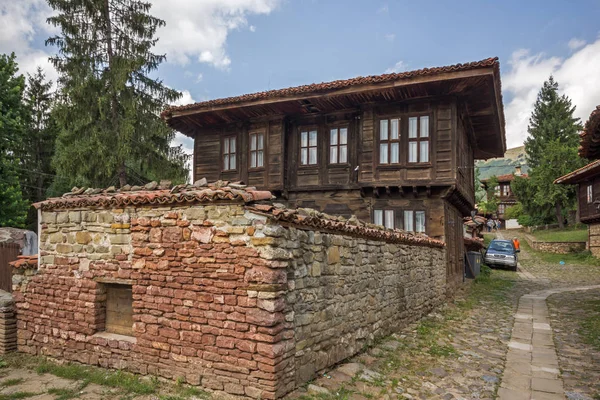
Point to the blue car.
(501, 253)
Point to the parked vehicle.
(501, 253)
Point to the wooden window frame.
(257, 150)
(505, 189)
(308, 147)
(501, 208)
(590, 193)
(385, 212)
(229, 153)
(338, 146)
(112, 328)
(419, 139)
(389, 141)
(414, 220)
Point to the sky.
(221, 48)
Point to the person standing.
(498, 224)
(516, 243)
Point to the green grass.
(63, 394)
(11, 382)
(17, 395)
(487, 238)
(575, 234)
(589, 327)
(581, 258)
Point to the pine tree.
(109, 105)
(552, 120)
(13, 209)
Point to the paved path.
(531, 371)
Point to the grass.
(571, 234)
(63, 394)
(17, 395)
(11, 382)
(589, 327)
(581, 258)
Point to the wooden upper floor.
(391, 132)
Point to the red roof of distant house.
(333, 85)
(589, 145)
(583, 173)
(506, 177)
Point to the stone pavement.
(531, 371)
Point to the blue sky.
(219, 48)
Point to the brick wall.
(222, 296)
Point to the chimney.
(518, 170)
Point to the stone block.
(333, 255)
(83, 237)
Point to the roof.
(477, 83)
(589, 144)
(505, 177)
(581, 174)
(313, 219)
(154, 194)
(25, 262)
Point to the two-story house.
(504, 193)
(394, 149)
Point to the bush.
(514, 212)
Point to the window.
(308, 148)
(389, 141)
(501, 208)
(384, 218)
(418, 139)
(257, 152)
(119, 309)
(590, 194)
(497, 190)
(505, 190)
(338, 146)
(414, 221)
(229, 153)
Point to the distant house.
(395, 150)
(504, 192)
(588, 180)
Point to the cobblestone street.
(507, 335)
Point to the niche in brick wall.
(119, 309)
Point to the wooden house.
(506, 197)
(395, 149)
(587, 180)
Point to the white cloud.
(390, 37)
(186, 98)
(398, 67)
(575, 43)
(199, 77)
(577, 76)
(199, 29)
(252, 28)
(187, 144)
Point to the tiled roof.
(589, 138)
(592, 169)
(334, 85)
(305, 217)
(155, 194)
(24, 262)
(506, 177)
(473, 244)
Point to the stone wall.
(223, 296)
(8, 323)
(594, 238)
(556, 247)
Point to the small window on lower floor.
(414, 221)
(384, 218)
(590, 194)
(119, 309)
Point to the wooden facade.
(399, 152)
(506, 197)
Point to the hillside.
(504, 165)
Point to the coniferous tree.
(13, 209)
(109, 105)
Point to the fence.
(8, 252)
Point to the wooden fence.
(8, 252)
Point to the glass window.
(229, 158)
(308, 147)
(257, 146)
(338, 146)
(590, 194)
(389, 141)
(409, 221)
(418, 143)
(389, 219)
(378, 217)
(384, 218)
(420, 221)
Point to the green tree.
(514, 212)
(551, 150)
(109, 105)
(490, 205)
(13, 209)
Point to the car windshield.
(501, 246)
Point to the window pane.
(394, 153)
(304, 139)
(425, 126)
(225, 145)
(389, 219)
(226, 161)
(260, 159)
(378, 217)
(312, 138)
(412, 151)
(424, 152)
(232, 161)
(333, 154)
(383, 153)
(304, 156)
(383, 129)
(252, 142)
(343, 154)
(333, 136)
(420, 221)
(232, 145)
(412, 127)
(252, 159)
(344, 136)
(394, 133)
(261, 141)
(408, 221)
(312, 155)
